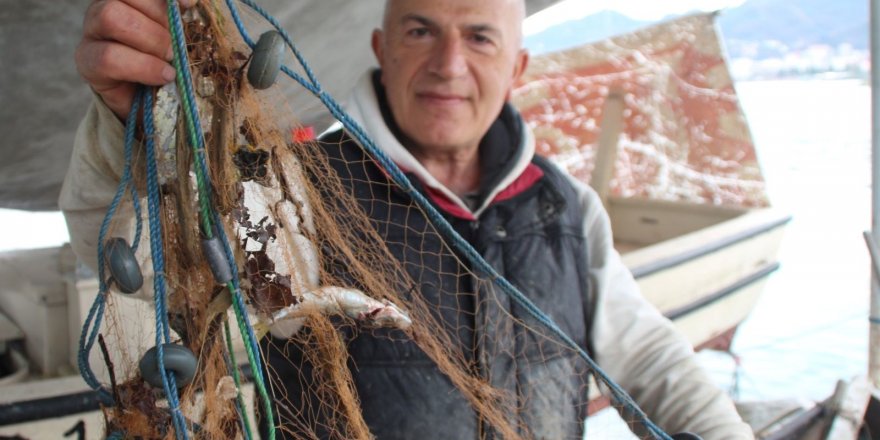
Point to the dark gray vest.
(535, 239)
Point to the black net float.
(177, 359)
(266, 61)
(124, 268)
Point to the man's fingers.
(141, 24)
(105, 62)
(112, 68)
(121, 22)
(125, 42)
(156, 10)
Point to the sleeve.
(642, 351)
(93, 175)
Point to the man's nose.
(448, 60)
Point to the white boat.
(708, 278)
(651, 120)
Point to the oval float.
(266, 61)
(123, 266)
(178, 359)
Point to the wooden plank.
(606, 154)
(850, 403)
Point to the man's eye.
(418, 32)
(480, 39)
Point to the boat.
(650, 119)
(699, 250)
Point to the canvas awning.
(43, 97)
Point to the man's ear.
(522, 62)
(376, 44)
(519, 67)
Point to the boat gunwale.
(722, 293)
(694, 252)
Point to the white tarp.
(43, 97)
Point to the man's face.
(448, 67)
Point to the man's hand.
(125, 42)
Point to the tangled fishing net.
(246, 224)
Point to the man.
(438, 108)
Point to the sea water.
(810, 328)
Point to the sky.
(25, 230)
(638, 9)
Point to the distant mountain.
(755, 29)
(591, 28)
(798, 23)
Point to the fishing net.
(333, 250)
(682, 135)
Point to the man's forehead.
(486, 12)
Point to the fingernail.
(168, 73)
(169, 54)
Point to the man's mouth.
(441, 98)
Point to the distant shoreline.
(821, 76)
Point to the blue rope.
(445, 229)
(92, 324)
(87, 341)
(139, 224)
(157, 253)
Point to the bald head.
(516, 12)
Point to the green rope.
(258, 378)
(237, 377)
(196, 141)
